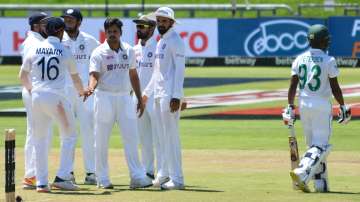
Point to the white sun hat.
(166, 12)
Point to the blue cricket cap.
(35, 18)
(72, 12)
(54, 24)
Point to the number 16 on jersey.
(294, 152)
(49, 67)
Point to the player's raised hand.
(288, 115)
(344, 114)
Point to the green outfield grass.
(223, 160)
(8, 76)
(229, 134)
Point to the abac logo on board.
(277, 37)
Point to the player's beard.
(142, 35)
(162, 29)
(70, 29)
(43, 34)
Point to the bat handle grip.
(292, 131)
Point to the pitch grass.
(222, 160)
(211, 175)
(229, 161)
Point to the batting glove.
(344, 114)
(288, 115)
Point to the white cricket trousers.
(148, 138)
(316, 117)
(48, 106)
(84, 112)
(167, 130)
(109, 109)
(29, 150)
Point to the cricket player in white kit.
(113, 74)
(316, 73)
(167, 86)
(47, 64)
(34, 36)
(81, 46)
(145, 57)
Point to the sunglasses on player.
(142, 26)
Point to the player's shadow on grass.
(343, 192)
(153, 189)
(126, 187)
(200, 189)
(121, 188)
(81, 193)
(87, 191)
(186, 189)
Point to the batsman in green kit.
(316, 74)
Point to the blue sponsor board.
(345, 36)
(264, 36)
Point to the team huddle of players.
(139, 88)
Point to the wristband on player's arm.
(344, 114)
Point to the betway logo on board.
(277, 37)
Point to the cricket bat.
(294, 152)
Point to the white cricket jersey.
(31, 39)
(169, 67)
(145, 57)
(314, 68)
(81, 48)
(48, 63)
(113, 67)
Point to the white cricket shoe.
(105, 185)
(299, 178)
(172, 185)
(160, 180)
(90, 179)
(140, 183)
(66, 185)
